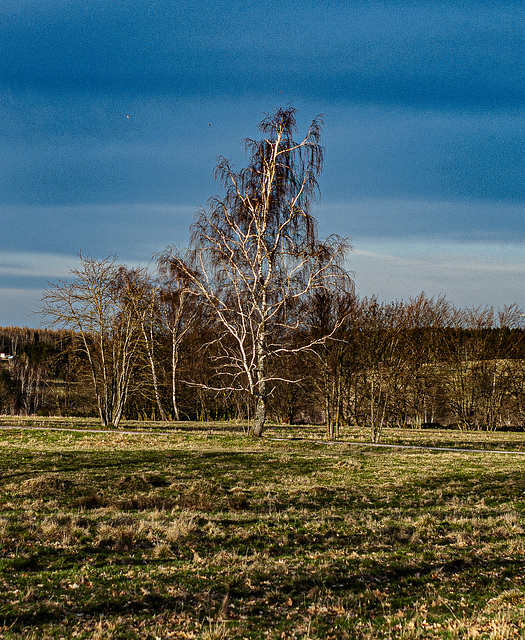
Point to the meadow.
(193, 530)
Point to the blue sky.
(112, 115)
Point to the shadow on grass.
(250, 465)
(406, 585)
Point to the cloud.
(34, 265)
(130, 231)
(450, 55)
(75, 149)
(466, 220)
(24, 276)
(445, 260)
(469, 274)
(18, 307)
(409, 154)
(424, 130)
(68, 151)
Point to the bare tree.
(424, 325)
(332, 364)
(98, 304)
(178, 310)
(144, 298)
(255, 253)
(382, 361)
(484, 370)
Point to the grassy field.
(198, 532)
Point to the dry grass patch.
(43, 486)
(181, 526)
(193, 535)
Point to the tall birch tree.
(255, 253)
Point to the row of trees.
(418, 363)
(254, 259)
(35, 366)
(258, 316)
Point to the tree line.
(258, 319)
(419, 363)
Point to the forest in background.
(420, 363)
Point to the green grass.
(202, 533)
